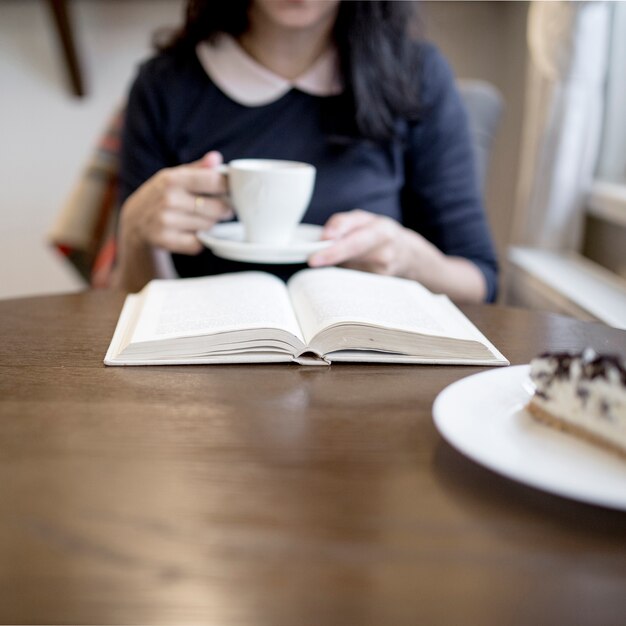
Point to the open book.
(320, 316)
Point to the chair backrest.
(84, 230)
(484, 104)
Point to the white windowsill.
(592, 288)
(608, 202)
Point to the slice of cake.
(584, 394)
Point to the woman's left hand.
(365, 241)
(378, 244)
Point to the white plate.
(483, 417)
(227, 241)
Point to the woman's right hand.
(173, 205)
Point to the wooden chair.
(84, 231)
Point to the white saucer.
(227, 241)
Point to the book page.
(323, 297)
(189, 307)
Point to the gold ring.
(198, 202)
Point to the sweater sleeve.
(144, 148)
(442, 198)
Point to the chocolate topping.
(593, 365)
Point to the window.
(607, 199)
(612, 163)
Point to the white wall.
(46, 134)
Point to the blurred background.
(556, 183)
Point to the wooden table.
(274, 495)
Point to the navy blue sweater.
(425, 177)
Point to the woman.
(338, 84)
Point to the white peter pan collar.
(247, 82)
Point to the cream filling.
(601, 409)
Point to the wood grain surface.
(274, 494)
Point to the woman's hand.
(169, 208)
(166, 212)
(365, 241)
(378, 244)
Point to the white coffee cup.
(269, 196)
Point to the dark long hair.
(377, 55)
